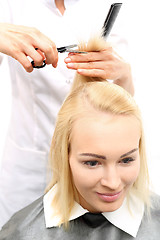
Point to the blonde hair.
(105, 97)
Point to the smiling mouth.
(109, 197)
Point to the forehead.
(105, 132)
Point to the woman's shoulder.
(155, 205)
(150, 225)
(22, 223)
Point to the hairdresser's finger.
(24, 61)
(50, 52)
(100, 73)
(41, 53)
(87, 65)
(90, 56)
(36, 55)
(47, 47)
(83, 57)
(92, 73)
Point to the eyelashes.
(91, 163)
(94, 163)
(127, 160)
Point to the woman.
(100, 184)
(37, 95)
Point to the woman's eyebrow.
(103, 157)
(126, 154)
(93, 155)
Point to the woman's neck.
(60, 5)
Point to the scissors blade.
(69, 48)
(65, 48)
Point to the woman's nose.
(111, 178)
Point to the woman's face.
(104, 159)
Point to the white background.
(144, 42)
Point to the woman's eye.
(127, 160)
(91, 163)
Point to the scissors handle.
(43, 65)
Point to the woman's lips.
(109, 197)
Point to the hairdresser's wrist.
(126, 79)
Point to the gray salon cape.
(29, 224)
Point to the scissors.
(108, 24)
(69, 48)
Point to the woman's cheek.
(130, 177)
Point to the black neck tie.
(93, 219)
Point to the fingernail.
(79, 70)
(70, 65)
(67, 60)
(54, 65)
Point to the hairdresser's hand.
(20, 42)
(106, 64)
